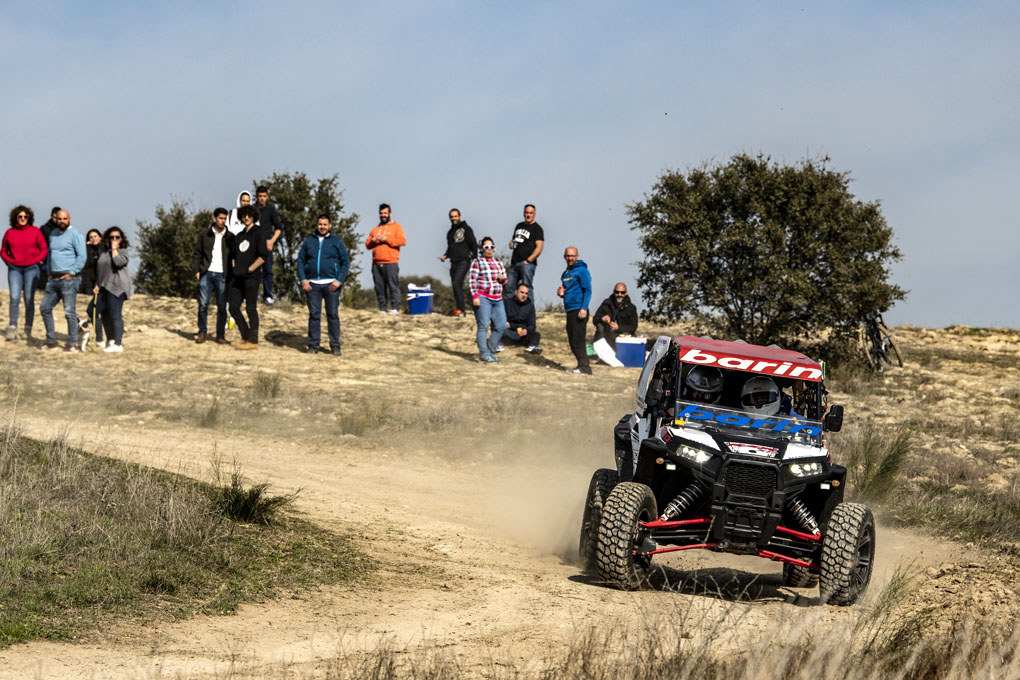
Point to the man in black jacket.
(46, 230)
(461, 248)
(617, 315)
(520, 319)
(211, 266)
(272, 226)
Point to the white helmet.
(760, 395)
(704, 384)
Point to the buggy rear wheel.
(602, 483)
(892, 354)
(848, 554)
(799, 577)
(620, 536)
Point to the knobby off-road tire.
(848, 554)
(799, 577)
(892, 353)
(620, 535)
(602, 483)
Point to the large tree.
(300, 201)
(763, 252)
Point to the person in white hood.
(234, 224)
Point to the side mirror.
(833, 419)
(654, 394)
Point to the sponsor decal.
(753, 449)
(783, 368)
(701, 412)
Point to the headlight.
(806, 469)
(697, 455)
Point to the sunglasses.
(115, 238)
(488, 247)
(618, 293)
(22, 217)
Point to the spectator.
(89, 277)
(210, 263)
(322, 266)
(461, 248)
(486, 281)
(272, 227)
(65, 261)
(113, 283)
(385, 241)
(46, 230)
(234, 224)
(520, 319)
(617, 315)
(24, 250)
(526, 245)
(247, 253)
(575, 289)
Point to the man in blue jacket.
(322, 267)
(575, 289)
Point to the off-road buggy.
(721, 477)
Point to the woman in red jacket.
(23, 249)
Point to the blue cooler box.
(419, 302)
(631, 352)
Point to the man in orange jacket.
(384, 241)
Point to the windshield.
(746, 424)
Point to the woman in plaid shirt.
(486, 281)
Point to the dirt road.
(466, 491)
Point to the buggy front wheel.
(621, 537)
(602, 483)
(848, 554)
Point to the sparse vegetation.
(265, 386)
(874, 457)
(85, 539)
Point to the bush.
(165, 249)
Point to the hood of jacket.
(250, 196)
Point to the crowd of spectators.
(232, 261)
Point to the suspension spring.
(681, 502)
(803, 515)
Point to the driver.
(704, 384)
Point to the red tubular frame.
(658, 524)
(700, 521)
(674, 548)
(800, 534)
(776, 557)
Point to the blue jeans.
(66, 290)
(519, 273)
(486, 311)
(21, 281)
(318, 293)
(206, 284)
(111, 310)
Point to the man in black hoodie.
(46, 230)
(461, 248)
(617, 315)
(272, 227)
(520, 319)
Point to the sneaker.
(111, 346)
(49, 346)
(394, 311)
(12, 333)
(220, 340)
(383, 311)
(499, 348)
(311, 350)
(456, 312)
(269, 300)
(200, 338)
(583, 371)
(335, 351)
(72, 349)
(534, 349)
(490, 359)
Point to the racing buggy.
(726, 451)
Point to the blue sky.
(114, 107)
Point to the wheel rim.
(865, 554)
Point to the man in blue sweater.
(65, 262)
(575, 289)
(322, 266)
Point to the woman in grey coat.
(113, 283)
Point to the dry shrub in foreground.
(84, 539)
(874, 456)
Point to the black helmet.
(704, 384)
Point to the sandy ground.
(464, 484)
